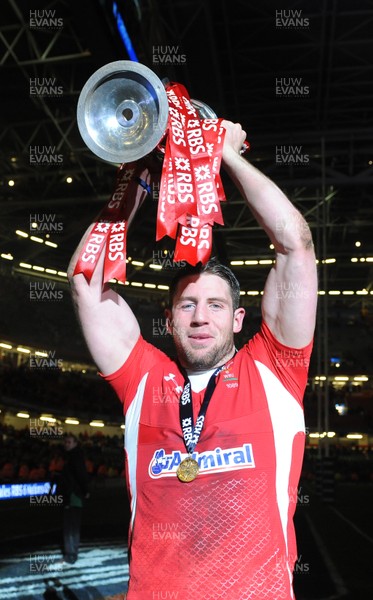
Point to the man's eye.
(215, 305)
(186, 306)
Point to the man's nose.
(200, 315)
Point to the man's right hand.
(234, 140)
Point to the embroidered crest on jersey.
(210, 461)
(230, 379)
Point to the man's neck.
(200, 378)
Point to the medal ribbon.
(191, 432)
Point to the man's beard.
(214, 357)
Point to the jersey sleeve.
(290, 365)
(126, 379)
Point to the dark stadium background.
(234, 56)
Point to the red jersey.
(229, 533)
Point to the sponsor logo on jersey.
(210, 461)
(172, 377)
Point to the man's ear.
(168, 316)
(239, 315)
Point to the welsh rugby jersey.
(229, 533)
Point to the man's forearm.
(282, 222)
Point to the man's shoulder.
(143, 355)
(145, 359)
(150, 357)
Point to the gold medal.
(187, 470)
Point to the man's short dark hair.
(212, 267)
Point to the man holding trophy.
(212, 476)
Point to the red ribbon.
(191, 188)
(111, 228)
(189, 198)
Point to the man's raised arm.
(290, 294)
(109, 326)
